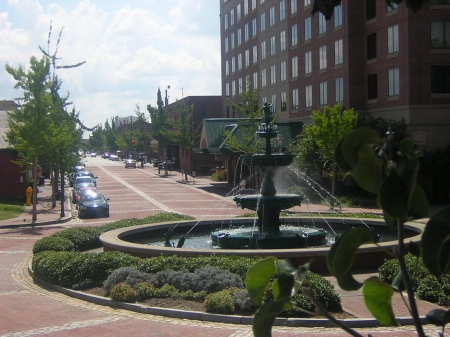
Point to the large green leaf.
(340, 158)
(436, 243)
(407, 147)
(394, 196)
(265, 317)
(356, 140)
(418, 205)
(378, 299)
(289, 279)
(367, 171)
(342, 253)
(258, 277)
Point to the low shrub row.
(426, 286)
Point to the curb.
(215, 318)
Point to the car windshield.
(81, 180)
(92, 197)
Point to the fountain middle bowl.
(368, 257)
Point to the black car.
(82, 189)
(93, 204)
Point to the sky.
(131, 49)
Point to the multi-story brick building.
(386, 61)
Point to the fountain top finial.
(267, 108)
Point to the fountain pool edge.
(368, 257)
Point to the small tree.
(183, 132)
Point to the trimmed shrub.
(220, 302)
(128, 275)
(53, 243)
(144, 291)
(242, 301)
(433, 290)
(83, 238)
(193, 296)
(166, 291)
(79, 270)
(123, 292)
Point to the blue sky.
(130, 47)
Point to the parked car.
(105, 155)
(130, 163)
(78, 187)
(93, 154)
(113, 157)
(81, 173)
(93, 204)
(85, 179)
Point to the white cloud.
(131, 48)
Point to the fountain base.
(284, 240)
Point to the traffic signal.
(132, 141)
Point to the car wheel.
(107, 214)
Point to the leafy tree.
(28, 124)
(110, 136)
(141, 135)
(160, 125)
(327, 129)
(183, 133)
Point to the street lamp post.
(390, 138)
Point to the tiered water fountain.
(268, 204)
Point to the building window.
(391, 7)
(233, 64)
(323, 57)
(306, 3)
(227, 89)
(308, 96)
(255, 54)
(338, 52)
(263, 50)
(232, 40)
(239, 36)
(293, 6)
(245, 7)
(294, 35)
(240, 86)
(322, 24)
(255, 80)
(282, 10)
(283, 98)
(295, 99)
(337, 16)
(372, 46)
(227, 67)
(271, 16)
(308, 62)
(246, 32)
(263, 77)
(283, 71)
(247, 57)
(233, 88)
(372, 86)
(254, 27)
(232, 17)
(440, 34)
(262, 22)
(307, 28)
(393, 39)
(273, 45)
(294, 65)
(339, 89)
(394, 82)
(274, 102)
(371, 9)
(239, 61)
(225, 21)
(253, 4)
(238, 12)
(440, 79)
(323, 93)
(283, 40)
(226, 44)
(273, 74)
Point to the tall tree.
(183, 133)
(28, 124)
(327, 129)
(160, 125)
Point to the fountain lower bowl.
(368, 256)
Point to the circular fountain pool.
(369, 256)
